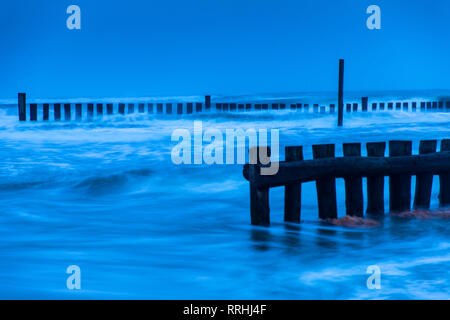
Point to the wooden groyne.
(97, 110)
(325, 168)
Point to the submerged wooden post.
(179, 108)
(168, 108)
(400, 185)
(45, 111)
(67, 112)
(348, 107)
(332, 107)
(130, 108)
(122, 108)
(159, 108)
(364, 103)
(424, 182)
(57, 111)
(375, 184)
(354, 202)
(150, 108)
(341, 94)
(22, 105)
(382, 104)
(189, 108)
(444, 180)
(33, 112)
(293, 192)
(326, 188)
(141, 108)
(78, 111)
(198, 107)
(207, 102)
(259, 197)
(99, 110)
(109, 108)
(90, 111)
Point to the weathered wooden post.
(282, 106)
(326, 188)
(109, 108)
(348, 107)
(90, 111)
(332, 107)
(179, 108)
(45, 111)
(99, 110)
(390, 105)
(150, 108)
(341, 94)
(364, 103)
(248, 107)
(130, 108)
(159, 108)
(233, 107)
(355, 107)
(218, 107)
(398, 105)
(265, 106)
(22, 105)
(189, 107)
(422, 106)
(78, 111)
(168, 108)
(374, 106)
(444, 180)
(225, 106)
(122, 108)
(293, 192)
(57, 111)
(33, 112)
(293, 106)
(259, 197)
(405, 106)
(399, 185)
(354, 202)
(274, 106)
(375, 184)
(241, 107)
(141, 108)
(315, 108)
(198, 107)
(414, 106)
(382, 104)
(208, 102)
(67, 112)
(424, 182)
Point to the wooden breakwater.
(325, 168)
(96, 110)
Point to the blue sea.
(105, 195)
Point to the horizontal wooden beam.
(312, 170)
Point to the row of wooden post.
(158, 108)
(399, 184)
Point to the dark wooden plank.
(122, 108)
(168, 108)
(99, 109)
(22, 106)
(424, 182)
(259, 196)
(67, 112)
(78, 111)
(354, 202)
(341, 94)
(293, 191)
(364, 103)
(45, 111)
(57, 111)
(326, 187)
(399, 184)
(375, 183)
(33, 112)
(130, 108)
(444, 179)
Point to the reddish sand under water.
(357, 222)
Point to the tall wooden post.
(293, 192)
(364, 103)
(400, 184)
(326, 188)
(354, 202)
(22, 105)
(375, 184)
(207, 102)
(259, 197)
(424, 182)
(341, 94)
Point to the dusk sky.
(152, 48)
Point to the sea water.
(104, 195)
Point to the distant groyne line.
(96, 110)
